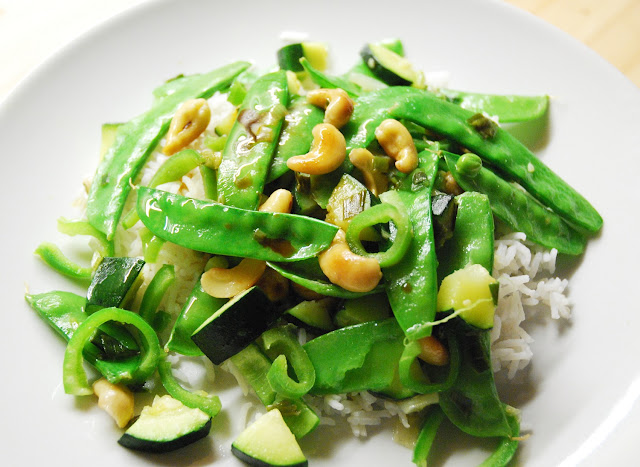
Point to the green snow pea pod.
(247, 155)
(296, 137)
(411, 284)
(516, 207)
(363, 357)
(330, 82)
(427, 435)
(224, 230)
(308, 274)
(508, 108)
(508, 446)
(472, 241)
(284, 349)
(492, 143)
(472, 404)
(136, 139)
(198, 308)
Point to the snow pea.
(508, 108)
(516, 207)
(411, 284)
(330, 82)
(136, 139)
(427, 435)
(508, 446)
(472, 404)
(296, 137)
(253, 139)
(472, 240)
(502, 150)
(197, 309)
(308, 274)
(357, 358)
(224, 230)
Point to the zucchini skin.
(379, 70)
(147, 445)
(244, 457)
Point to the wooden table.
(610, 27)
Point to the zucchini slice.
(269, 442)
(166, 425)
(316, 52)
(388, 66)
(235, 325)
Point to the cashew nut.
(348, 270)
(375, 181)
(116, 400)
(227, 283)
(189, 121)
(397, 142)
(280, 201)
(327, 152)
(336, 102)
(432, 351)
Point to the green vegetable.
(390, 67)
(314, 314)
(247, 156)
(134, 142)
(53, 256)
(156, 290)
(269, 442)
(508, 108)
(235, 325)
(427, 435)
(449, 120)
(165, 426)
(224, 230)
(516, 207)
(74, 377)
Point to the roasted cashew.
(280, 201)
(274, 285)
(189, 121)
(375, 181)
(397, 142)
(327, 152)
(116, 400)
(348, 270)
(227, 283)
(336, 102)
(432, 351)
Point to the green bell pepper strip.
(54, 257)
(151, 245)
(411, 285)
(282, 347)
(502, 150)
(210, 182)
(197, 309)
(472, 240)
(224, 230)
(472, 404)
(247, 156)
(508, 108)
(307, 273)
(507, 447)
(295, 138)
(515, 207)
(74, 377)
(382, 214)
(73, 228)
(330, 82)
(209, 404)
(357, 358)
(412, 376)
(427, 435)
(164, 278)
(134, 142)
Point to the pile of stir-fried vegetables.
(359, 207)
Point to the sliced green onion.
(74, 377)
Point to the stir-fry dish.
(362, 245)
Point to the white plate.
(584, 379)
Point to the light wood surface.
(610, 27)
